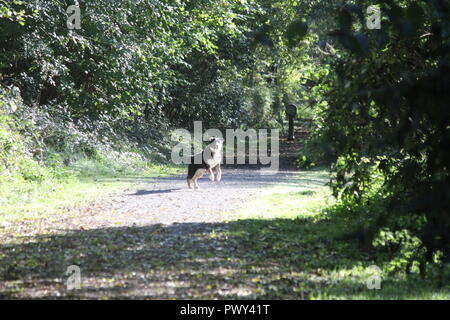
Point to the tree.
(388, 120)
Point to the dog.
(211, 158)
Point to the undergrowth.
(327, 246)
(48, 159)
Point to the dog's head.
(216, 144)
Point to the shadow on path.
(247, 259)
(147, 192)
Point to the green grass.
(291, 229)
(21, 199)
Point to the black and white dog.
(211, 158)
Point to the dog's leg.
(218, 173)
(198, 174)
(211, 174)
(189, 181)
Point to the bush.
(398, 128)
(44, 143)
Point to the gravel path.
(168, 200)
(161, 240)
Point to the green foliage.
(296, 32)
(387, 118)
(114, 65)
(12, 10)
(201, 61)
(316, 248)
(40, 149)
(258, 107)
(317, 150)
(15, 158)
(304, 162)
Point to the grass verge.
(292, 229)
